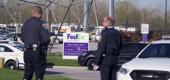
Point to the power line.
(33, 2)
(50, 2)
(60, 26)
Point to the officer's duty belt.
(33, 46)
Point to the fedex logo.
(75, 37)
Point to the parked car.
(18, 45)
(152, 63)
(10, 36)
(95, 35)
(3, 32)
(59, 38)
(128, 51)
(12, 55)
(1, 38)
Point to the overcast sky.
(142, 2)
(160, 4)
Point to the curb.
(69, 67)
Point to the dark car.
(129, 51)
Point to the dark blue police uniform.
(35, 37)
(108, 51)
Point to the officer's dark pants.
(107, 72)
(34, 62)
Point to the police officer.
(108, 50)
(35, 37)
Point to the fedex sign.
(75, 44)
(75, 36)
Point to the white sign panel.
(145, 28)
(75, 44)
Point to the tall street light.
(111, 8)
(166, 13)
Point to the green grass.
(52, 58)
(6, 74)
(57, 60)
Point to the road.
(59, 47)
(74, 73)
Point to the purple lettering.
(69, 36)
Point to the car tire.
(89, 64)
(10, 64)
(61, 42)
(57, 41)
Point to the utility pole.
(111, 8)
(50, 17)
(95, 12)
(69, 15)
(49, 14)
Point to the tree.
(127, 14)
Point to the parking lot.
(134, 39)
(76, 73)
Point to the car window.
(20, 47)
(156, 51)
(141, 46)
(60, 34)
(10, 35)
(130, 48)
(4, 41)
(4, 32)
(5, 49)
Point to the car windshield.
(10, 35)
(17, 43)
(156, 51)
(3, 32)
(19, 47)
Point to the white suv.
(152, 63)
(12, 55)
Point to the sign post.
(75, 44)
(145, 32)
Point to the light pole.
(126, 13)
(111, 8)
(86, 14)
(166, 13)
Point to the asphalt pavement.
(76, 73)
